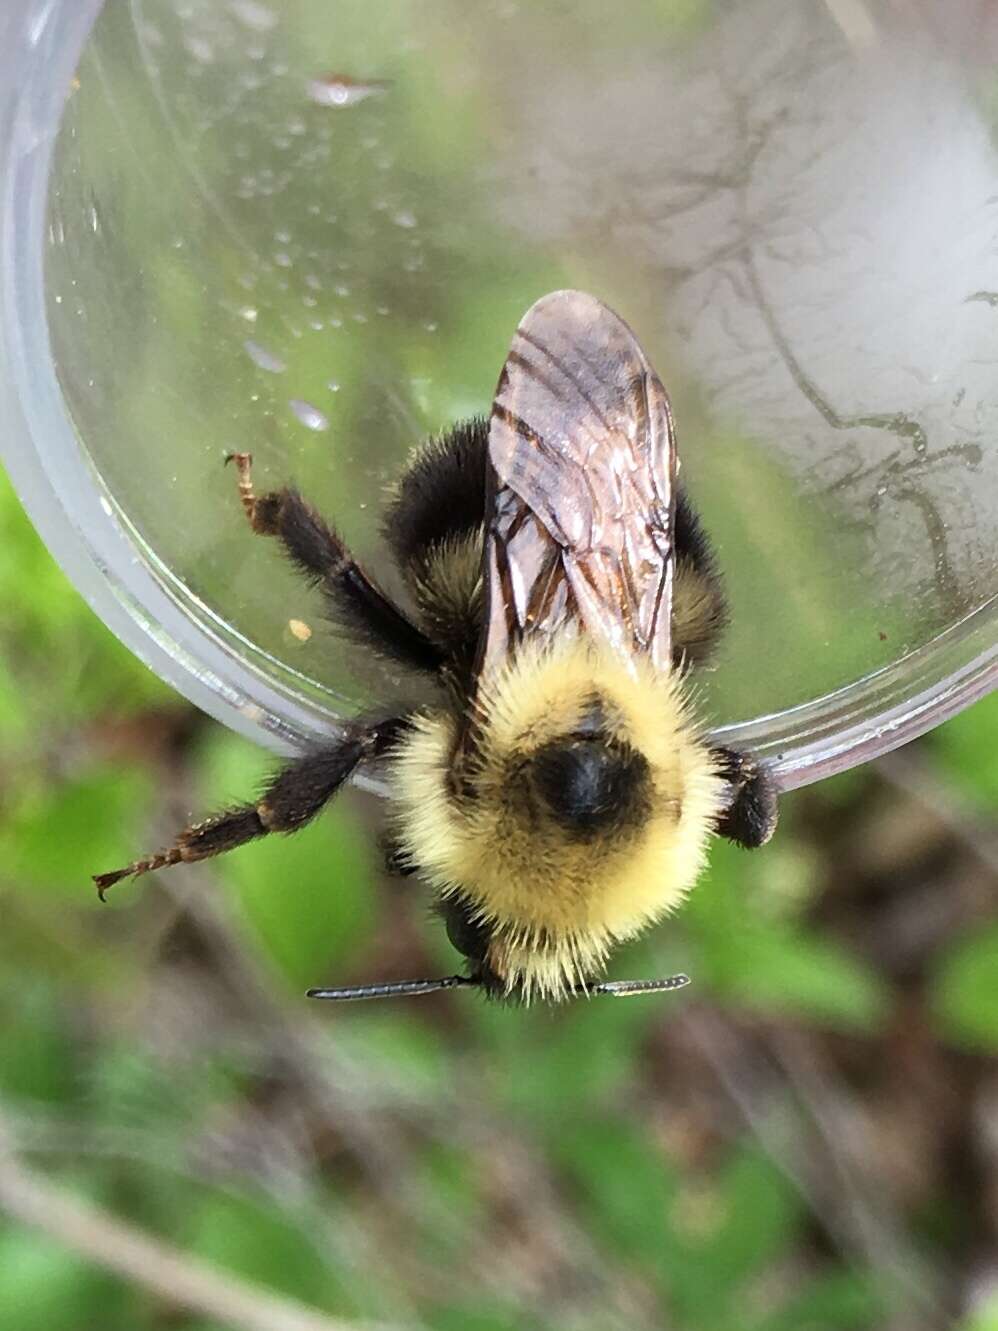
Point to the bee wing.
(583, 467)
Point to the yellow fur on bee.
(557, 904)
(447, 581)
(697, 612)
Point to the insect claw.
(106, 880)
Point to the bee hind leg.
(750, 818)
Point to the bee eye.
(590, 784)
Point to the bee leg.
(750, 818)
(354, 599)
(627, 988)
(293, 798)
(392, 989)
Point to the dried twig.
(827, 1168)
(179, 1279)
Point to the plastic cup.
(309, 231)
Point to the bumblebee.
(558, 795)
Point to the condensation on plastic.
(310, 230)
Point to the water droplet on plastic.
(333, 386)
(404, 218)
(312, 281)
(201, 49)
(263, 358)
(256, 17)
(249, 313)
(282, 259)
(105, 505)
(311, 417)
(430, 326)
(341, 90)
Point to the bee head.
(588, 782)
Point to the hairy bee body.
(441, 562)
(549, 895)
(558, 796)
(556, 888)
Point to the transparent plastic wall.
(309, 229)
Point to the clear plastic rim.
(183, 645)
(63, 499)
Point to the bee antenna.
(391, 989)
(624, 988)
